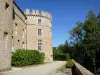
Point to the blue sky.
(65, 14)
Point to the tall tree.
(86, 37)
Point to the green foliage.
(69, 63)
(86, 39)
(84, 43)
(62, 57)
(62, 52)
(98, 72)
(27, 57)
(67, 56)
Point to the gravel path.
(59, 72)
(45, 69)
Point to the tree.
(77, 37)
(77, 33)
(86, 37)
(92, 36)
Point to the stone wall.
(6, 7)
(19, 29)
(80, 70)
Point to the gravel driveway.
(37, 70)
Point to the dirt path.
(37, 70)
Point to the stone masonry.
(5, 33)
(28, 30)
(39, 32)
(19, 29)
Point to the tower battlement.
(38, 13)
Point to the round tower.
(39, 32)
(6, 7)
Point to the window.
(15, 28)
(39, 45)
(18, 44)
(6, 6)
(13, 15)
(39, 21)
(39, 42)
(23, 33)
(39, 48)
(12, 41)
(5, 36)
(39, 31)
(6, 39)
(23, 45)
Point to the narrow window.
(18, 45)
(39, 42)
(6, 6)
(12, 43)
(13, 15)
(23, 45)
(39, 45)
(39, 31)
(5, 36)
(39, 21)
(23, 33)
(15, 28)
(6, 39)
(39, 48)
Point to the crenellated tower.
(39, 32)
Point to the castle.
(29, 30)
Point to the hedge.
(62, 57)
(27, 57)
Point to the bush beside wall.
(69, 63)
(27, 57)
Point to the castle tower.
(39, 32)
(5, 33)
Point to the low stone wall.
(80, 70)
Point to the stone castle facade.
(29, 30)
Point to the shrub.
(27, 57)
(41, 58)
(67, 56)
(69, 63)
(61, 56)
